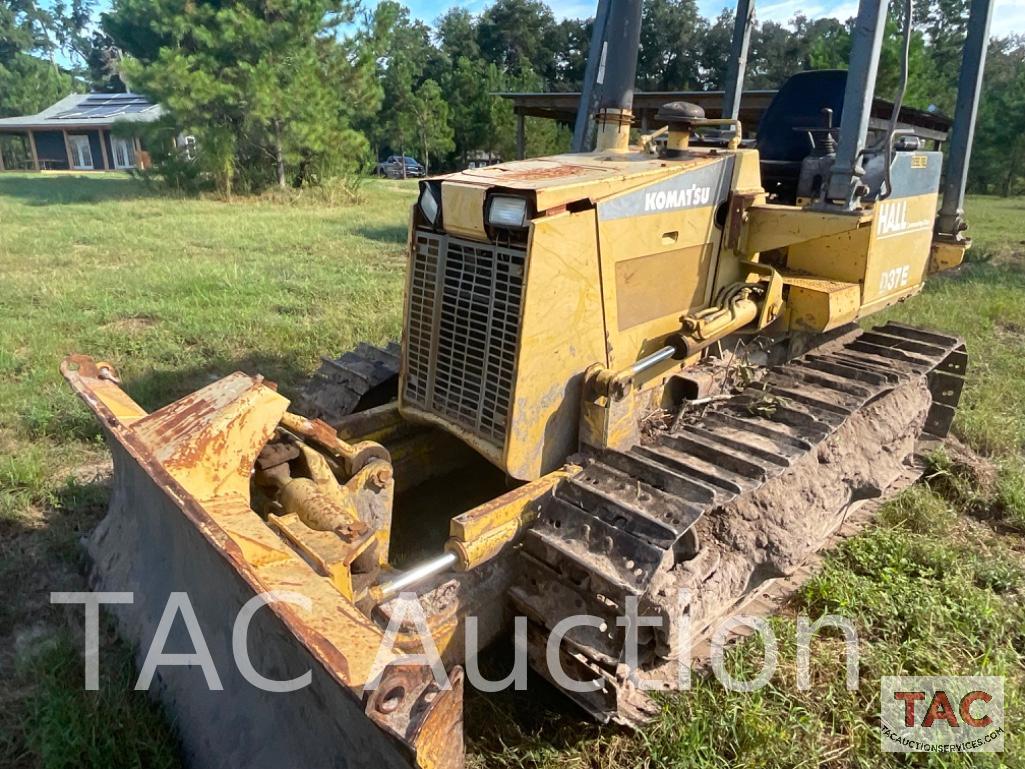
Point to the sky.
(1009, 15)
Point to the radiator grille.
(463, 331)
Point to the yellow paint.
(561, 333)
(561, 179)
(886, 255)
(201, 449)
(122, 406)
(462, 207)
(642, 292)
(655, 269)
(610, 423)
(747, 174)
(480, 534)
(747, 187)
(946, 256)
(613, 132)
(209, 440)
(818, 304)
(771, 226)
(841, 257)
(898, 253)
(604, 292)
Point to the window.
(81, 154)
(124, 153)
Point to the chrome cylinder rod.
(416, 575)
(654, 359)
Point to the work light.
(429, 205)
(507, 211)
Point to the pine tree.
(261, 85)
(29, 78)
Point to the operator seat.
(797, 104)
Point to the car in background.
(392, 168)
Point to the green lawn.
(179, 291)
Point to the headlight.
(506, 211)
(429, 205)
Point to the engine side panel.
(659, 254)
(562, 333)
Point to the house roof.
(88, 110)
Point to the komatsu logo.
(684, 198)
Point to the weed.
(24, 477)
(1010, 497)
(919, 509)
(115, 727)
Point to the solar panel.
(105, 105)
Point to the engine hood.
(562, 179)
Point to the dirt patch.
(974, 485)
(1008, 327)
(99, 471)
(134, 324)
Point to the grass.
(180, 291)
(61, 720)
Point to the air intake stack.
(619, 73)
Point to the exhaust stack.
(618, 76)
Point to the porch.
(75, 149)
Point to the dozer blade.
(697, 520)
(180, 522)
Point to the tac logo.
(942, 714)
(681, 198)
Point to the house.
(482, 158)
(74, 134)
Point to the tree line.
(290, 94)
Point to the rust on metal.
(220, 431)
(426, 719)
(739, 204)
(560, 171)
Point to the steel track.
(358, 379)
(609, 529)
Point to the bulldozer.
(627, 374)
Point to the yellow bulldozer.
(627, 374)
